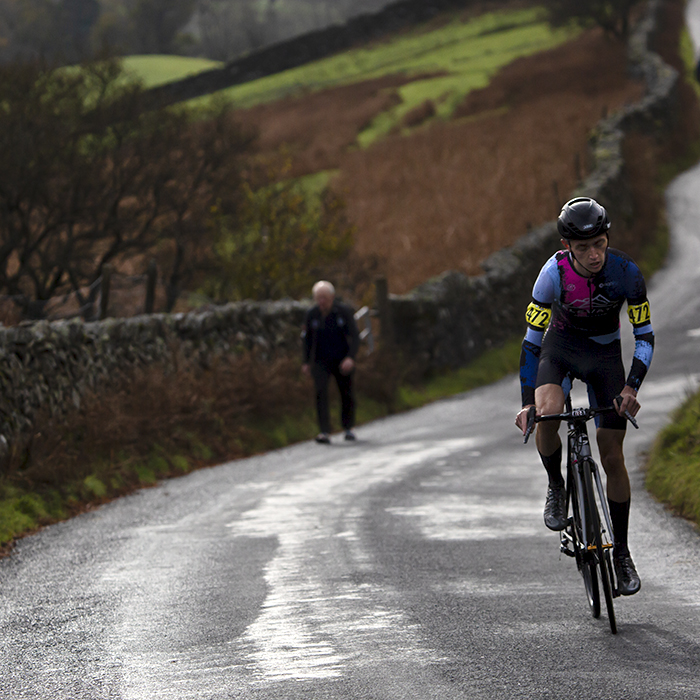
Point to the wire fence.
(111, 294)
(118, 295)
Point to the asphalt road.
(412, 564)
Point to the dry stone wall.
(444, 323)
(51, 365)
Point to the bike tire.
(608, 589)
(601, 554)
(585, 561)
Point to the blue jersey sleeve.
(639, 314)
(538, 315)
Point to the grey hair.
(323, 284)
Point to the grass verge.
(673, 465)
(673, 469)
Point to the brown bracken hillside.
(450, 193)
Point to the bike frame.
(587, 537)
(580, 457)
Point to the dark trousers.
(322, 375)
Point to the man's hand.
(521, 418)
(347, 365)
(629, 402)
(306, 369)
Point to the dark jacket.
(327, 341)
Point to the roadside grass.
(493, 365)
(459, 56)
(673, 468)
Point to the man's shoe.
(555, 508)
(349, 435)
(323, 439)
(628, 582)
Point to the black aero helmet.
(582, 218)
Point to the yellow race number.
(639, 313)
(538, 316)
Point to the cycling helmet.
(582, 218)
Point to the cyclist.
(573, 331)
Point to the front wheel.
(585, 561)
(601, 553)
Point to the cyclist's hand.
(629, 402)
(521, 418)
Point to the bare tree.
(155, 23)
(89, 178)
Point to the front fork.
(579, 449)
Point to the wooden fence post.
(104, 290)
(151, 278)
(386, 329)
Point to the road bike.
(588, 535)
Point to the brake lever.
(627, 414)
(531, 412)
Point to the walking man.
(331, 341)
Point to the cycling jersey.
(573, 306)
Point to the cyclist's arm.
(639, 314)
(529, 362)
(537, 316)
(640, 317)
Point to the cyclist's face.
(589, 256)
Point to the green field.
(460, 56)
(156, 70)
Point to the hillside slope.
(448, 140)
(446, 195)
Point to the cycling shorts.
(599, 366)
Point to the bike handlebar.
(574, 415)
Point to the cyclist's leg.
(552, 373)
(611, 455)
(549, 398)
(605, 377)
(610, 436)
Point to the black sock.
(553, 466)
(620, 515)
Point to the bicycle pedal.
(564, 548)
